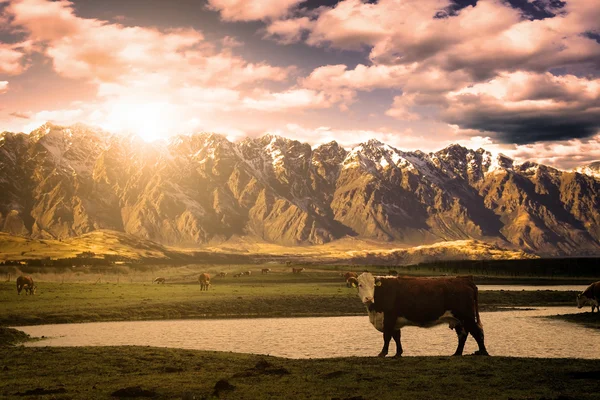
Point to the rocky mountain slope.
(61, 182)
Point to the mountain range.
(201, 189)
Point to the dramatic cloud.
(482, 40)
(526, 107)
(244, 10)
(104, 52)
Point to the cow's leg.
(462, 334)
(396, 337)
(477, 332)
(389, 323)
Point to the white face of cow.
(366, 287)
(581, 301)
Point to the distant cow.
(204, 280)
(265, 270)
(349, 275)
(591, 296)
(351, 282)
(423, 302)
(26, 282)
(247, 273)
(160, 279)
(237, 275)
(297, 270)
(222, 274)
(393, 272)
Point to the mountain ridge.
(62, 182)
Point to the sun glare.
(150, 121)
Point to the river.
(519, 333)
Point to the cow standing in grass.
(591, 296)
(204, 280)
(26, 282)
(265, 270)
(160, 280)
(222, 274)
(297, 270)
(396, 302)
(349, 275)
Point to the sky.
(519, 77)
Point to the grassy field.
(99, 372)
(312, 293)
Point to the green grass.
(87, 373)
(276, 295)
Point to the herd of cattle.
(394, 302)
(204, 278)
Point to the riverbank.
(589, 319)
(87, 302)
(99, 372)
(12, 337)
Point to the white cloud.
(249, 10)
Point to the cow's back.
(593, 291)
(423, 300)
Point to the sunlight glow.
(150, 121)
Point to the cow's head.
(352, 282)
(366, 287)
(581, 300)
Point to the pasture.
(129, 294)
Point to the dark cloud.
(522, 129)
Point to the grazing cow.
(222, 274)
(265, 270)
(297, 270)
(204, 280)
(160, 279)
(237, 275)
(26, 282)
(247, 273)
(591, 296)
(351, 282)
(349, 275)
(425, 302)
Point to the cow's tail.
(476, 303)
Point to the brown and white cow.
(591, 296)
(26, 282)
(395, 302)
(237, 275)
(349, 275)
(222, 274)
(265, 270)
(204, 280)
(297, 270)
(351, 282)
(159, 279)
